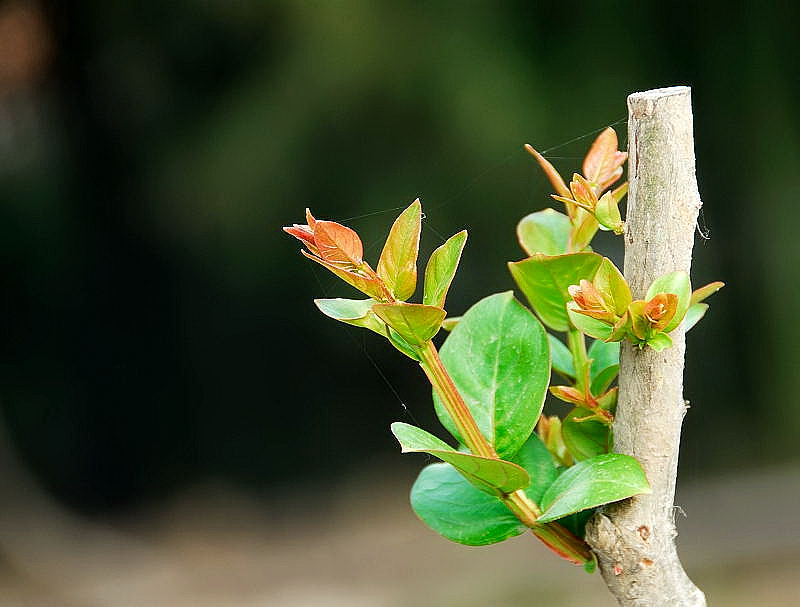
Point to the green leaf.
(544, 281)
(538, 463)
(603, 380)
(588, 325)
(677, 283)
(561, 357)
(607, 213)
(499, 360)
(398, 263)
(610, 282)
(357, 312)
(453, 508)
(584, 232)
(401, 344)
(584, 439)
(416, 323)
(441, 268)
(545, 232)
(593, 482)
(660, 341)
(603, 355)
(702, 293)
(694, 314)
(494, 476)
(605, 365)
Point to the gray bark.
(635, 539)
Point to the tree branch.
(634, 540)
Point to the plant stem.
(577, 346)
(556, 537)
(459, 412)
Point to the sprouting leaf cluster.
(509, 468)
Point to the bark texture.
(635, 539)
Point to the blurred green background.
(180, 426)
(158, 327)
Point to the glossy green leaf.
(593, 482)
(660, 341)
(694, 314)
(677, 283)
(447, 503)
(584, 439)
(603, 354)
(499, 360)
(538, 463)
(561, 357)
(493, 476)
(544, 281)
(356, 312)
(603, 380)
(416, 323)
(610, 282)
(398, 263)
(605, 365)
(441, 268)
(545, 232)
(587, 325)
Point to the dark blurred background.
(158, 327)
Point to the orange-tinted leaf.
(705, 292)
(660, 310)
(305, 235)
(600, 156)
(552, 175)
(364, 283)
(612, 176)
(338, 244)
(678, 284)
(582, 192)
(398, 263)
(586, 295)
(568, 394)
(310, 219)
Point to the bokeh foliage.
(159, 327)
